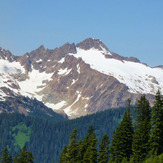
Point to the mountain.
(77, 80)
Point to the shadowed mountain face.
(77, 80)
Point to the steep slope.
(78, 79)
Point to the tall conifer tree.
(122, 138)
(5, 157)
(104, 151)
(72, 149)
(83, 145)
(24, 157)
(90, 147)
(156, 139)
(142, 130)
(63, 158)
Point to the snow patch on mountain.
(35, 82)
(78, 68)
(40, 60)
(7, 70)
(86, 105)
(74, 81)
(10, 67)
(68, 110)
(139, 78)
(56, 106)
(64, 71)
(105, 51)
(8, 81)
(62, 60)
(86, 98)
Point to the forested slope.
(46, 139)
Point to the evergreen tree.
(156, 139)
(122, 138)
(142, 130)
(24, 157)
(64, 157)
(72, 149)
(82, 149)
(83, 145)
(5, 157)
(154, 159)
(104, 149)
(90, 147)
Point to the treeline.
(24, 156)
(46, 139)
(141, 141)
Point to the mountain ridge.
(78, 79)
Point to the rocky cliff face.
(77, 80)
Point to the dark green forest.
(131, 134)
(24, 156)
(46, 138)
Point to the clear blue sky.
(127, 27)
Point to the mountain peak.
(67, 48)
(92, 43)
(6, 55)
(41, 47)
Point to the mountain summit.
(77, 80)
(92, 43)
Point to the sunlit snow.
(86, 105)
(7, 69)
(132, 74)
(56, 106)
(40, 60)
(68, 110)
(64, 71)
(10, 67)
(78, 68)
(62, 60)
(34, 83)
(105, 51)
(6, 81)
(74, 81)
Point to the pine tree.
(142, 130)
(104, 151)
(82, 149)
(156, 139)
(122, 138)
(5, 157)
(90, 147)
(72, 149)
(24, 157)
(83, 145)
(64, 157)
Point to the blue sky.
(128, 27)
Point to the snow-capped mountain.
(78, 79)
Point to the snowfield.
(29, 87)
(10, 67)
(35, 83)
(138, 77)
